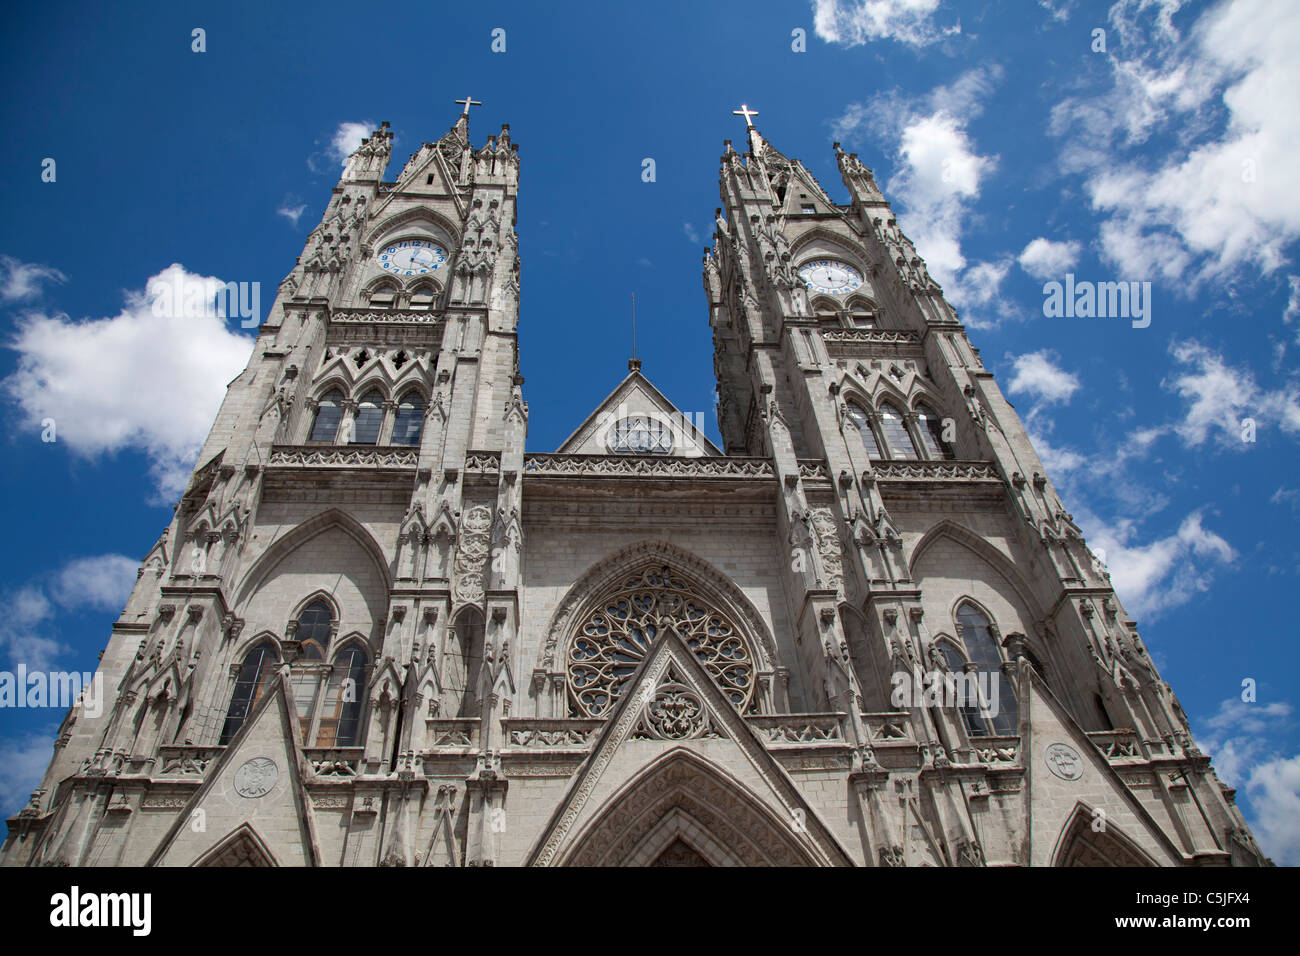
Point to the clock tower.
(380, 631)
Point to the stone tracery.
(610, 642)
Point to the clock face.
(411, 257)
(830, 276)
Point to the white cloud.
(1059, 9)
(1037, 375)
(1045, 259)
(22, 280)
(1240, 737)
(21, 629)
(1163, 573)
(102, 582)
(851, 23)
(1286, 496)
(938, 177)
(348, 137)
(291, 212)
(692, 234)
(1293, 300)
(981, 282)
(99, 583)
(1274, 793)
(1229, 197)
(141, 381)
(26, 758)
(1059, 462)
(1220, 396)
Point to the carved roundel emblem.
(1064, 761)
(256, 777)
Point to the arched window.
(869, 441)
(968, 705)
(370, 415)
(410, 419)
(315, 626)
(613, 637)
(640, 435)
(329, 412)
(254, 676)
(384, 296)
(977, 634)
(896, 436)
(931, 429)
(422, 298)
(340, 719)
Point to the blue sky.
(1013, 148)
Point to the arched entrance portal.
(684, 811)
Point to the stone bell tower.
(334, 519)
(924, 534)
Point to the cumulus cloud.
(1229, 197)
(1036, 374)
(102, 582)
(1157, 575)
(1220, 396)
(855, 22)
(26, 758)
(1274, 793)
(99, 583)
(1045, 259)
(1059, 462)
(348, 137)
(343, 142)
(939, 175)
(20, 281)
(1242, 737)
(138, 380)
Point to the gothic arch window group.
(889, 433)
(386, 293)
(858, 313)
(613, 637)
(368, 420)
(328, 682)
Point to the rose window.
(640, 435)
(614, 638)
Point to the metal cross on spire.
(467, 102)
(746, 112)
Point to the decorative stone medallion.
(675, 713)
(256, 777)
(1064, 761)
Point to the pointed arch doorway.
(684, 811)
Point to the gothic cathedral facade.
(380, 631)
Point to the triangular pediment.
(635, 396)
(675, 760)
(1066, 774)
(254, 789)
